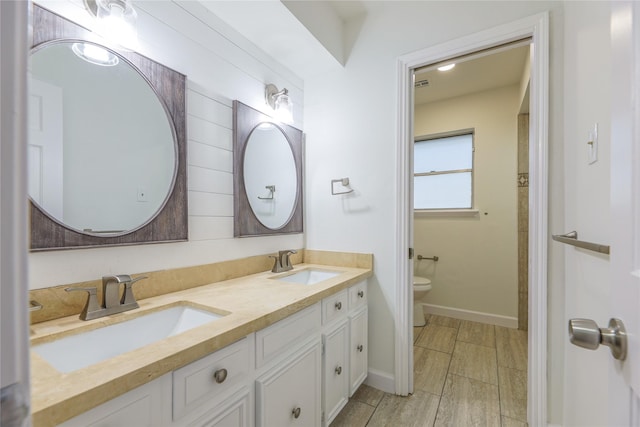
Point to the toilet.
(421, 285)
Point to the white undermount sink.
(87, 348)
(309, 276)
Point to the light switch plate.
(592, 145)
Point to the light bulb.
(446, 67)
(117, 22)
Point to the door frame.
(536, 27)
(14, 283)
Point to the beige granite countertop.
(254, 302)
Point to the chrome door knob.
(586, 333)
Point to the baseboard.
(476, 316)
(381, 380)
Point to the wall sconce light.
(115, 20)
(279, 101)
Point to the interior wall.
(357, 140)
(477, 268)
(220, 66)
(587, 192)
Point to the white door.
(624, 376)
(45, 151)
(601, 390)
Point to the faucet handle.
(127, 296)
(92, 301)
(119, 278)
(284, 258)
(277, 265)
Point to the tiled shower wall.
(523, 221)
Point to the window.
(443, 172)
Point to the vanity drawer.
(335, 306)
(279, 338)
(358, 295)
(210, 378)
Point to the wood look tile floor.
(465, 374)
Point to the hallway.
(465, 374)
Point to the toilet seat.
(421, 288)
(421, 285)
(421, 281)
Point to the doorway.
(469, 237)
(535, 27)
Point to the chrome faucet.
(282, 261)
(112, 302)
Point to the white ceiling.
(292, 32)
(487, 72)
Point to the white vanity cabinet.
(344, 334)
(299, 371)
(145, 406)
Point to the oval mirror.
(267, 178)
(271, 188)
(102, 149)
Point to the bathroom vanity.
(283, 351)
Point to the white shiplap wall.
(220, 66)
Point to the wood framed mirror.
(113, 169)
(267, 178)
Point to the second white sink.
(87, 348)
(309, 276)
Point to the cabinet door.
(358, 296)
(336, 371)
(335, 307)
(280, 339)
(146, 406)
(236, 411)
(358, 349)
(290, 394)
(208, 380)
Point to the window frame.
(451, 211)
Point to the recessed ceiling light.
(446, 67)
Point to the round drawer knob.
(339, 305)
(361, 294)
(338, 370)
(296, 412)
(360, 348)
(220, 375)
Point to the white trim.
(14, 280)
(475, 316)
(536, 27)
(380, 380)
(404, 233)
